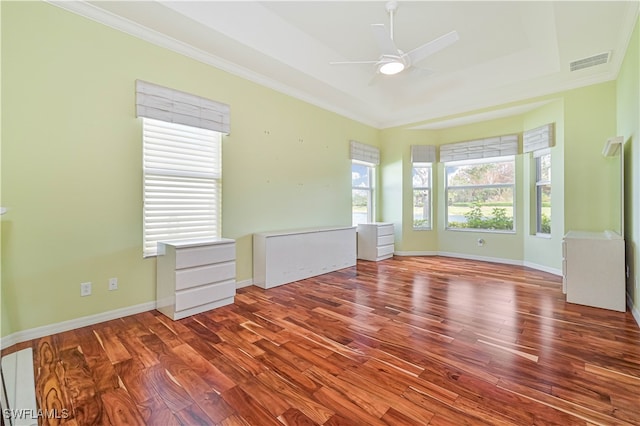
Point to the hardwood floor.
(406, 341)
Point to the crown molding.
(101, 16)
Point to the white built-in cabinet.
(195, 276)
(593, 268)
(375, 241)
(285, 256)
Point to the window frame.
(428, 188)
(159, 177)
(512, 185)
(540, 183)
(370, 189)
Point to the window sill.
(543, 236)
(484, 231)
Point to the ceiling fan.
(393, 60)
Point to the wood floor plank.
(155, 412)
(404, 341)
(337, 402)
(49, 376)
(120, 408)
(294, 417)
(294, 397)
(251, 410)
(81, 387)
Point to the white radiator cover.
(286, 256)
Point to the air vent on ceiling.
(591, 61)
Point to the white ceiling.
(507, 51)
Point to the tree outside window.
(543, 193)
(362, 178)
(421, 178)
(480, 194)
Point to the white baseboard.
(244, 283)
(415, 253)
(46, 330)
(531, 265)
(543, 268)
(634, 311)
(481, 258)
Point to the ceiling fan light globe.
(391, 68)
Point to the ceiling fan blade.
(422, 52)
(353, 62)
(385, 42)
(420, 72)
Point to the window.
(182, 183)
(364, 159)
(422, 157)
(181, 138)
(421, 178)
(480, 194)
(362, 178)
(543, 192)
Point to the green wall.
(71, 163)
(589, 120)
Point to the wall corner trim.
(244, 283)
(634, 311)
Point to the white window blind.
(423, 154)
(174, 106)
(499, 146)
(539, 138)
(182, 183)
(365, 153)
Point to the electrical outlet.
(85, 289)
(113, 284)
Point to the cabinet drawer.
(385, 240)
(196, 256)
(193, 277)
(385, 250)
(186, 299)
(385, 230)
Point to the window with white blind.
(539, 141)
(480, 183)
(364, 159)
(422, 158)
(182, 183)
